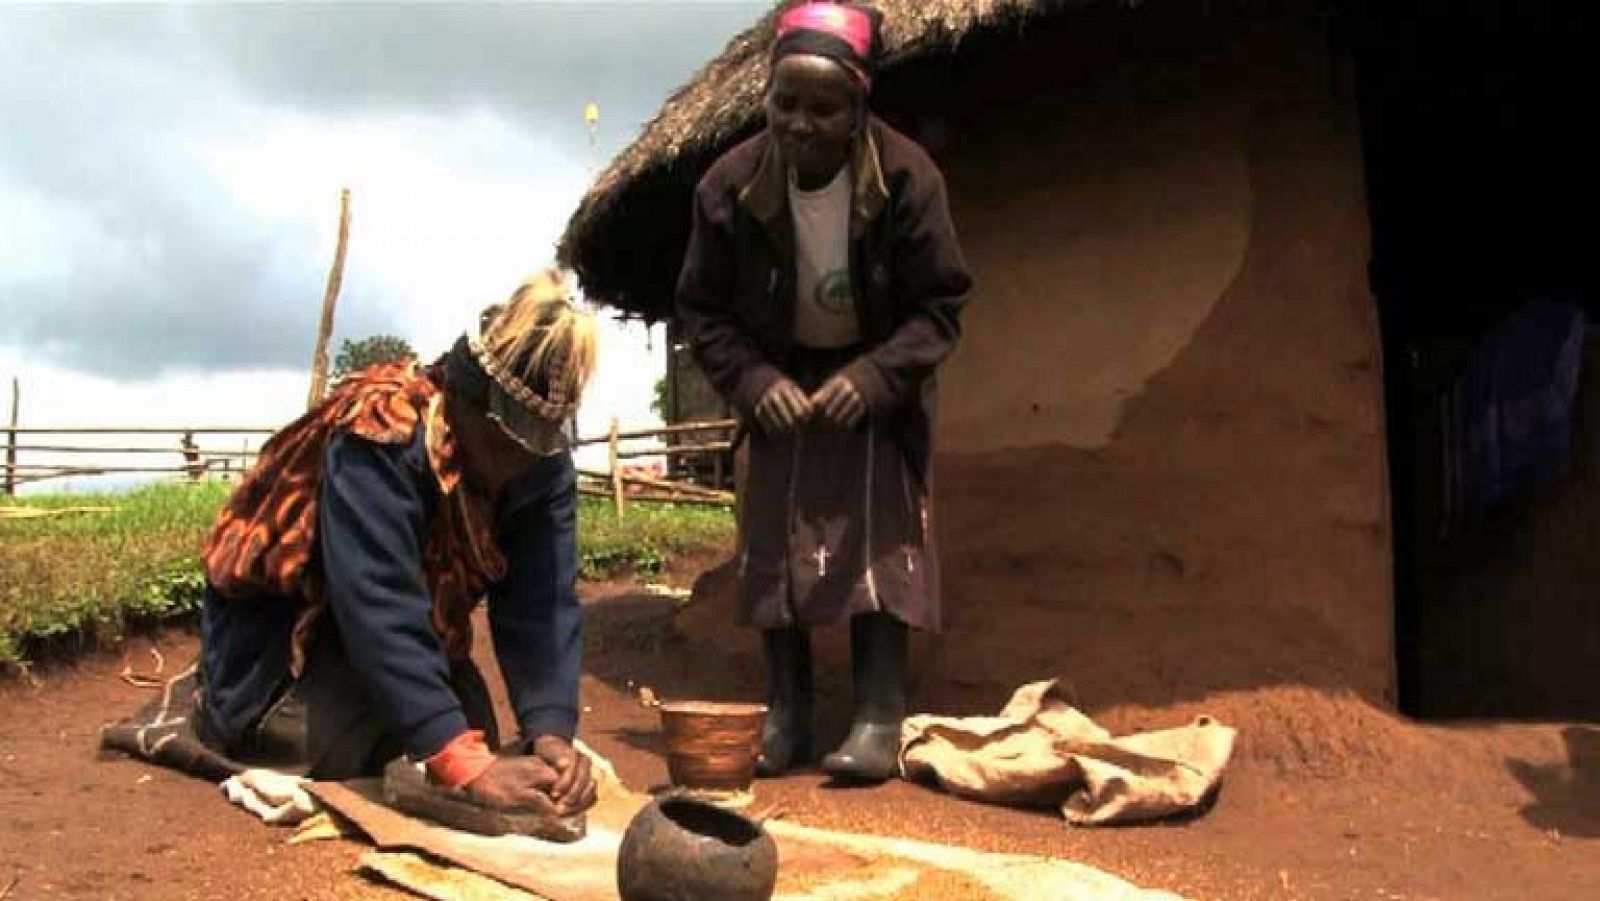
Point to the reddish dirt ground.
(1328, 797)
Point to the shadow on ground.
(1566, 795)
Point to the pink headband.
(849, 25)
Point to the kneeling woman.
(343, 572)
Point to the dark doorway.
(1482, 175)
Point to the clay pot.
(680, 849)
(712, 746)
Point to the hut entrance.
(1482, 190)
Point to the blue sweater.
(375, 503)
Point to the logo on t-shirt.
(835, 294)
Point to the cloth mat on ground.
(1041, 751)
(163, 732)
(814, 864)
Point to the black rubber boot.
(871, 752)
(786, 738)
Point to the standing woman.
(821, 290)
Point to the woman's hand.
(553, 778)
(783, 407)
(516, 782)
(839, 403)
(574, 790)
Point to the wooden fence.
(40, 454)
(138, 450)
(674, 443)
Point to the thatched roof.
(624, 243)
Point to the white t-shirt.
(825, 303)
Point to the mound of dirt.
(1281, 682)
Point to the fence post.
(616, 468)
(191, 456)
(11, 440)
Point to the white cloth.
(277, 798)
(825, 303)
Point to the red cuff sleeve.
(461, 761)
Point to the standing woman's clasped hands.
(839, 403)
(785, 407)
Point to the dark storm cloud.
(537, 63)
(127, 259)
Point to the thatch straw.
(616, 242)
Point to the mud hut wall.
(1161, 451)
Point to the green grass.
(648, 535)
(79, 581)
(82, 580)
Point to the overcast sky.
(169, 180)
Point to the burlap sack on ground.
(1040, 751)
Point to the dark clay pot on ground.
(679, 849)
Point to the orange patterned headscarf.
(263, 541)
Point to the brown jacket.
(831, 523)
(736, 291)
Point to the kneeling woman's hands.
(516, 782)
(553, 777)
(574, 790)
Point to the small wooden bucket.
(712, 746)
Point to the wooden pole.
(616, 469)
(31, 469)
(88, 449)
(191, 456)
(677, 450)
(11, 440)
(676, 487)
(107, 430)
(319, 358)
(720, 424)
(685, 499)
